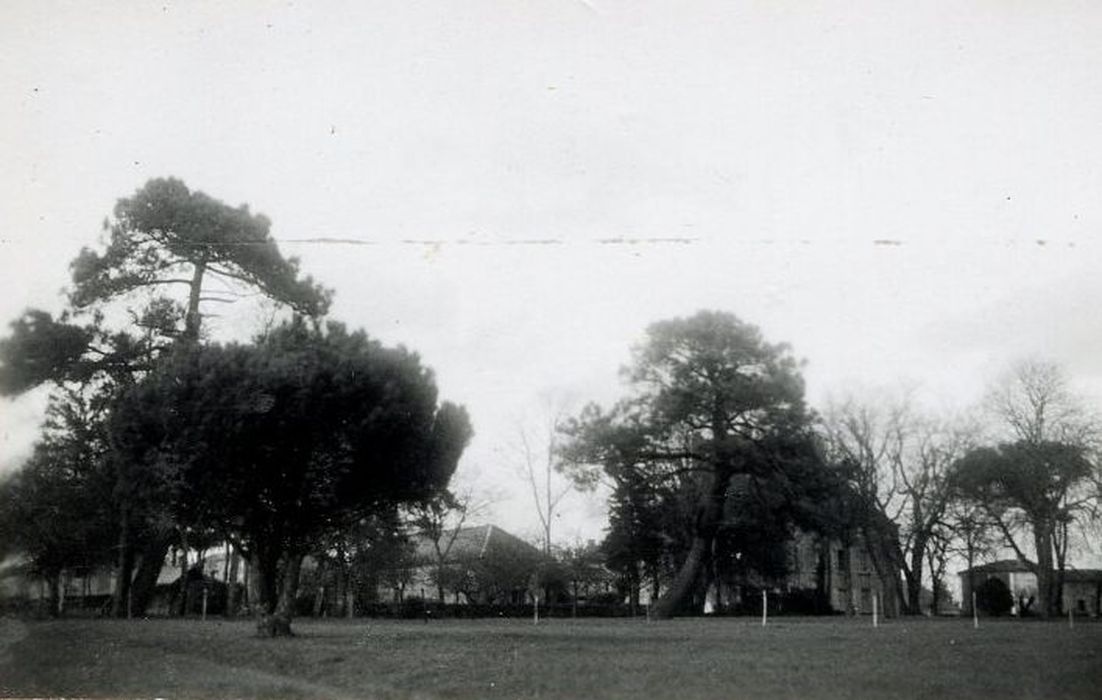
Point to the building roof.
(1018, 566)
(1083, 576)
(474, 542)
(1001, 566)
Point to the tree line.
(314, 439)
(714, 461)
(155, 435)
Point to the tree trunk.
(340, 596)
(633, 588)
(914, 577)
(319, 602)
(182, 602)
(62, 596)
(846, 567)
(120, 600)
(319, 594)
(1060, 543)
(149, 569)
(708, 513)
(887, 571)
(192, 318)
(823, 579)
(254, 588)
(276, 622)
(226, 564)
(682, 586)
(232, 595)
(53, 585)
(971, 556)
(1042, 537)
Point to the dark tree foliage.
(170, 252)
(297, 437)
(652, 509)
(609, 447)
(63, 352)
(993, 597)
(165, 234)
(41, 350)
(54, 510)
(353, 564)
(1040, 486)
(713, 400)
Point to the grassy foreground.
(696, 658)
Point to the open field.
(694, 658)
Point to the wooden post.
(204, 602)
(764, 607)
(975, 613)
(536, 609)
(1071, 617)
(875, 601)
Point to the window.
(843, 560)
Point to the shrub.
(993, 597)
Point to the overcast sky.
(905, 192)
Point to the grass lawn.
(693, 658)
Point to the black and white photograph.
(563, 349)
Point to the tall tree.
(297, 437)
(1033, 403)
(1036, 488)
(440, 520)
(971, 534)
(899, 467)
(584, 568)
(541, 466)
(169, 252)
(713, 399)
(53, 509)
(166, 235)
(607, 448)
(1042, 479)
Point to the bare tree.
(539, 449)
(440, 521)
(1033, 403)
(899, 463)
(922, 472)
(1042, 479)
(1037, 404)
(938, 553)
(971, 535)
